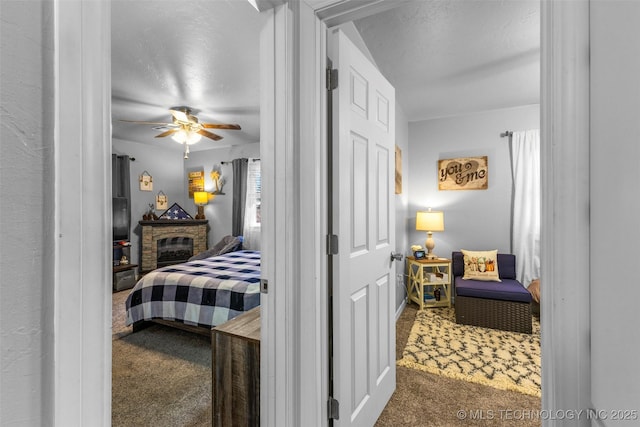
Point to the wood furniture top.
(123, 267)
(162, 222)
(428, 261)
(246, 325)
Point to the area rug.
(500, 359)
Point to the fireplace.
(173, 250)
(167, 241)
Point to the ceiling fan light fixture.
(189, 137)
(185, 128)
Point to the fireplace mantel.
(152, 231)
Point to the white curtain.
(525, 240)
(252, 219)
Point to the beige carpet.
(500, 359)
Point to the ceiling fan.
(185, 127)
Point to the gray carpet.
(160, 376)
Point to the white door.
(364, 373)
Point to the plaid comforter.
(207, 292)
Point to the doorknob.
(396, 256)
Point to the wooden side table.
(425, 276)
(236, 371)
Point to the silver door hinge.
(332, 244)
(332, 79)
(333, 407)
(264, 286)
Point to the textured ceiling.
(444, 57)
(202, 54)
(450, 57)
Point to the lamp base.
(430, 244)
(200, 214)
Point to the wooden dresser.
(236, 371)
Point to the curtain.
(239, 195)
(252, 218)
(525, 238)
(120, 182)
(121, 193)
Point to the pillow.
(227, 244)
(534, 288)
(481, 265)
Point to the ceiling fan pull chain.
(186, 150)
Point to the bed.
(199, 294)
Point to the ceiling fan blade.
(219, 126)
(209, 135)
(147, 123)
(166, 133)
(181, 116)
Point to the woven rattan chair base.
(496, 314)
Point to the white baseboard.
(401, 309)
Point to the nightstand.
(425, 276)
(124, 276)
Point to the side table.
(124, 276)
(425, 276)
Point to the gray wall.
(166, 166)
(219, 210)
(402, 200)
(169, 170)
(474, 219)
(26, 213)
(614, 206)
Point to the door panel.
(363, 217)
(360, 205)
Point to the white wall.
(474, 219)
(26, 213)
(219, 210)
(166, 166)
(615, 150)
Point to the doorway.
(84, 399)
(202, 55)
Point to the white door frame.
(80, 367)
(295, 321)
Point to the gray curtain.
(120, 181)
(239, 195)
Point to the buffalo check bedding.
(204, 293)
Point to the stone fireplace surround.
(152, 231)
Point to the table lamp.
(430, 221)
(200, 198)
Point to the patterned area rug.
(504, 360)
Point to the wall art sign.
(464, 173)
(162, 202)
(146, 181)
(196, 182)
(398, 170)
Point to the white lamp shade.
(430, 221)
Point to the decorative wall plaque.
(146, 181)
(196, 182)
(464, 173)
